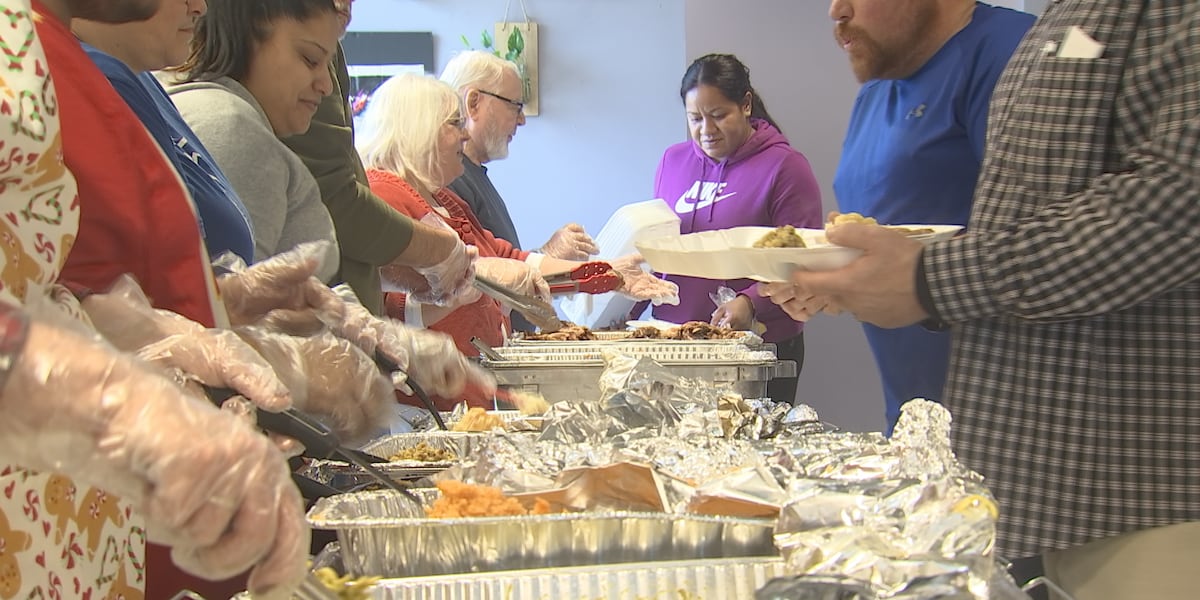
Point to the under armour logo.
(916, 113)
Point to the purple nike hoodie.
(765, 182)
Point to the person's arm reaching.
(368, 230)
(1125, 237)
(208, 484)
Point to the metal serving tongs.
(538, 311)
(594, 277)
(318, 440)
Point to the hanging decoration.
(518, 41)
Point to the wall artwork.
(374, 56)
(523, 48)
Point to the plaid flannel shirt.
(1075, 376)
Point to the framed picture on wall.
(374, 56)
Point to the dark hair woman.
(738, 158)
(257, 71)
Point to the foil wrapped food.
(972, 579)
(869, 518)
(680, 445)
(641, 398)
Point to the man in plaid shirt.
(1074, 298)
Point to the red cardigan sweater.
(483, 318)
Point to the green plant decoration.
(514, 46)
(513, 50)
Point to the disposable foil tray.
(461, 443)
(345, 476)
(565, 372)
(610, 337)
(665, 353)
(380, 535)
(709, 579)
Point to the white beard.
(496, 147)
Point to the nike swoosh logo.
(684, 205)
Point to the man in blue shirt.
(914, 146)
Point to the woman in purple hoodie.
(736, 170)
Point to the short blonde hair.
(479, 70)
(402, 122)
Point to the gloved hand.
(282, 282)
(438, 366)
(209, 485)
(735, 314)
(570, 242)
(397, 278)
(430, 357)
(330, 378)
(214, 357)
(452, 276)
(371, 334)
(641, 284)
(514, 275)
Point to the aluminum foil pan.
(380, 535)
(709, 579)
(609, 337)
(667, 354)
(462, 444)
(346, 477)
(514, 420)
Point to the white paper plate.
(730, 253)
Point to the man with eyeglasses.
(493, 94)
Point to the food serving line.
(657, 470)
(648, 464)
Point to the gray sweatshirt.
(279, 192)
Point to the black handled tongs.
(388, 366)
(318, 440)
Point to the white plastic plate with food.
(730, 253)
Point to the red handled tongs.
(588, 278)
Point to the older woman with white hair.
(412, 151)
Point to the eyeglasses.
(520, 105)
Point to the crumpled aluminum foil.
(646, 416)
(932, 579)
(640, 398)
(871, 518)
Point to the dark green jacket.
(371, 233)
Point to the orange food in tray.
(465, 500)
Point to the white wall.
(609, 73)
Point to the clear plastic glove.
(211, 487)
(570, 242)
(372, 334)
(407, 280)
(282, 282)
(640, 284)
(451, 277)
(214, 357)
(330, 378)
(735, 314)
(438, 366)
(515, 275)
